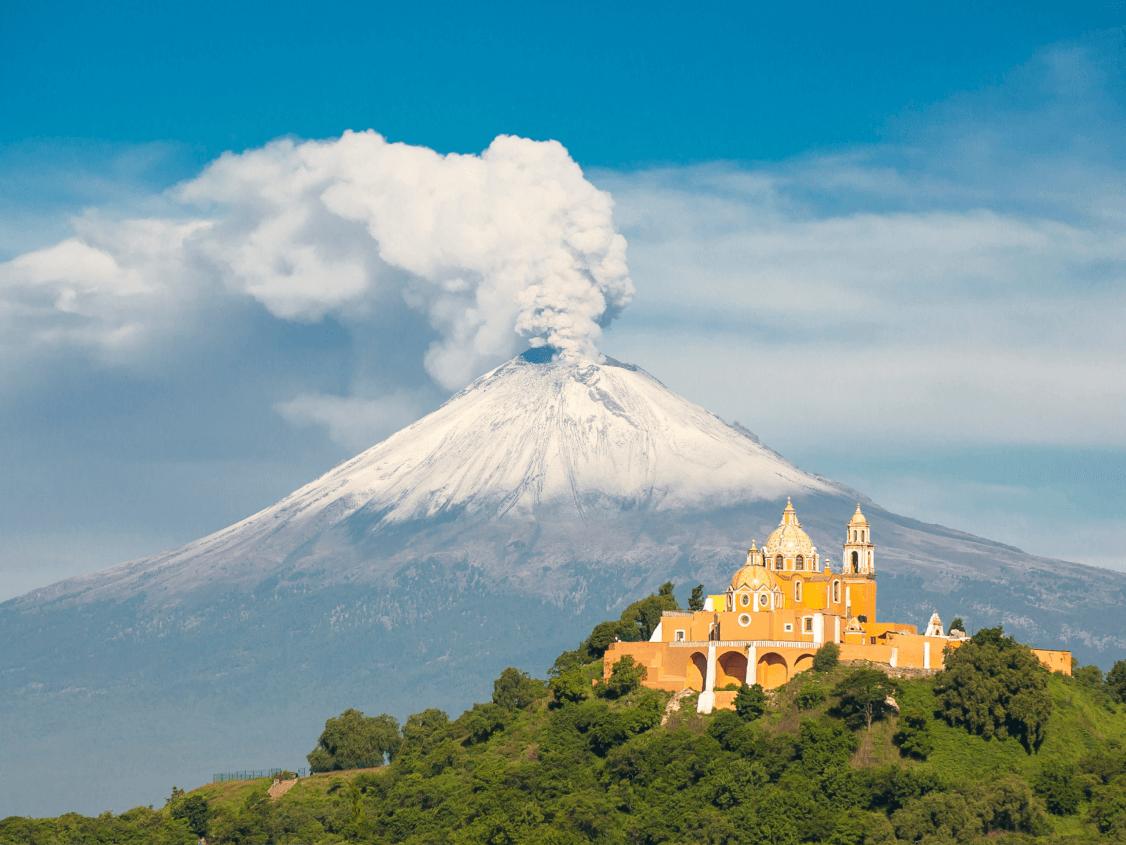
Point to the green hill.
(568, 762)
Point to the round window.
(744, 599)
(744, 619)
(763, 600)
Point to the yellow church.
(780, 607)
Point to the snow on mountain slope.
(576, 439)
(528, 434)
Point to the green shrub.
(1091, 676)
(939, 818)
(515, 690)
(482, 722)
(1056, 783)
(194, 810)
(569, 687)
(422, 731)
(355, 741)
(827, 658)
(914, 736)
(611, 728)
(1116, 680)
(863, 695)
(1007, 804)
(1108, 810)
(810, 697)
(625, 677)
(750, 702)
(696, 601)
(995, 687)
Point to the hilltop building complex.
(780, 607)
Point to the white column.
(926, 655)
(818, 628)
(837, 636)
(752, 665)
(894, 657)
(707, 697)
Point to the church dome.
(788, 538)
(752, 577)
(858, 517)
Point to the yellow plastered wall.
(1055, 661)
(725, 700)
(815, 595)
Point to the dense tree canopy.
(515, 690)
(355, 741)
(995, 687)
(1116, 680)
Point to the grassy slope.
(234, 793)
(1083, 722)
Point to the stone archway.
(772, 670)
(732, 669)
(696, 672)
(803, 663)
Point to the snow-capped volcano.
(578, 440)
(494, 532)
(574, 435)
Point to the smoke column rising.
(513, 242)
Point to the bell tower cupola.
(859, 553)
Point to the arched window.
(836, 591)
(797, 592)
(799, 562)
(778, 562)
(855, 562)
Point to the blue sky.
(888, 238)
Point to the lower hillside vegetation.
(994, 749)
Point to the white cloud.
(355, 423)
(515, 240)
(512, 243)
(817, 324)
(113, 290)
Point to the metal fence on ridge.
(253, 774)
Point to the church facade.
(780, 607)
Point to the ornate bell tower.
(859, 553)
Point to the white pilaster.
(894, 657)
(818, 628)
(707, 697)
(752, 665)
(926, 655)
